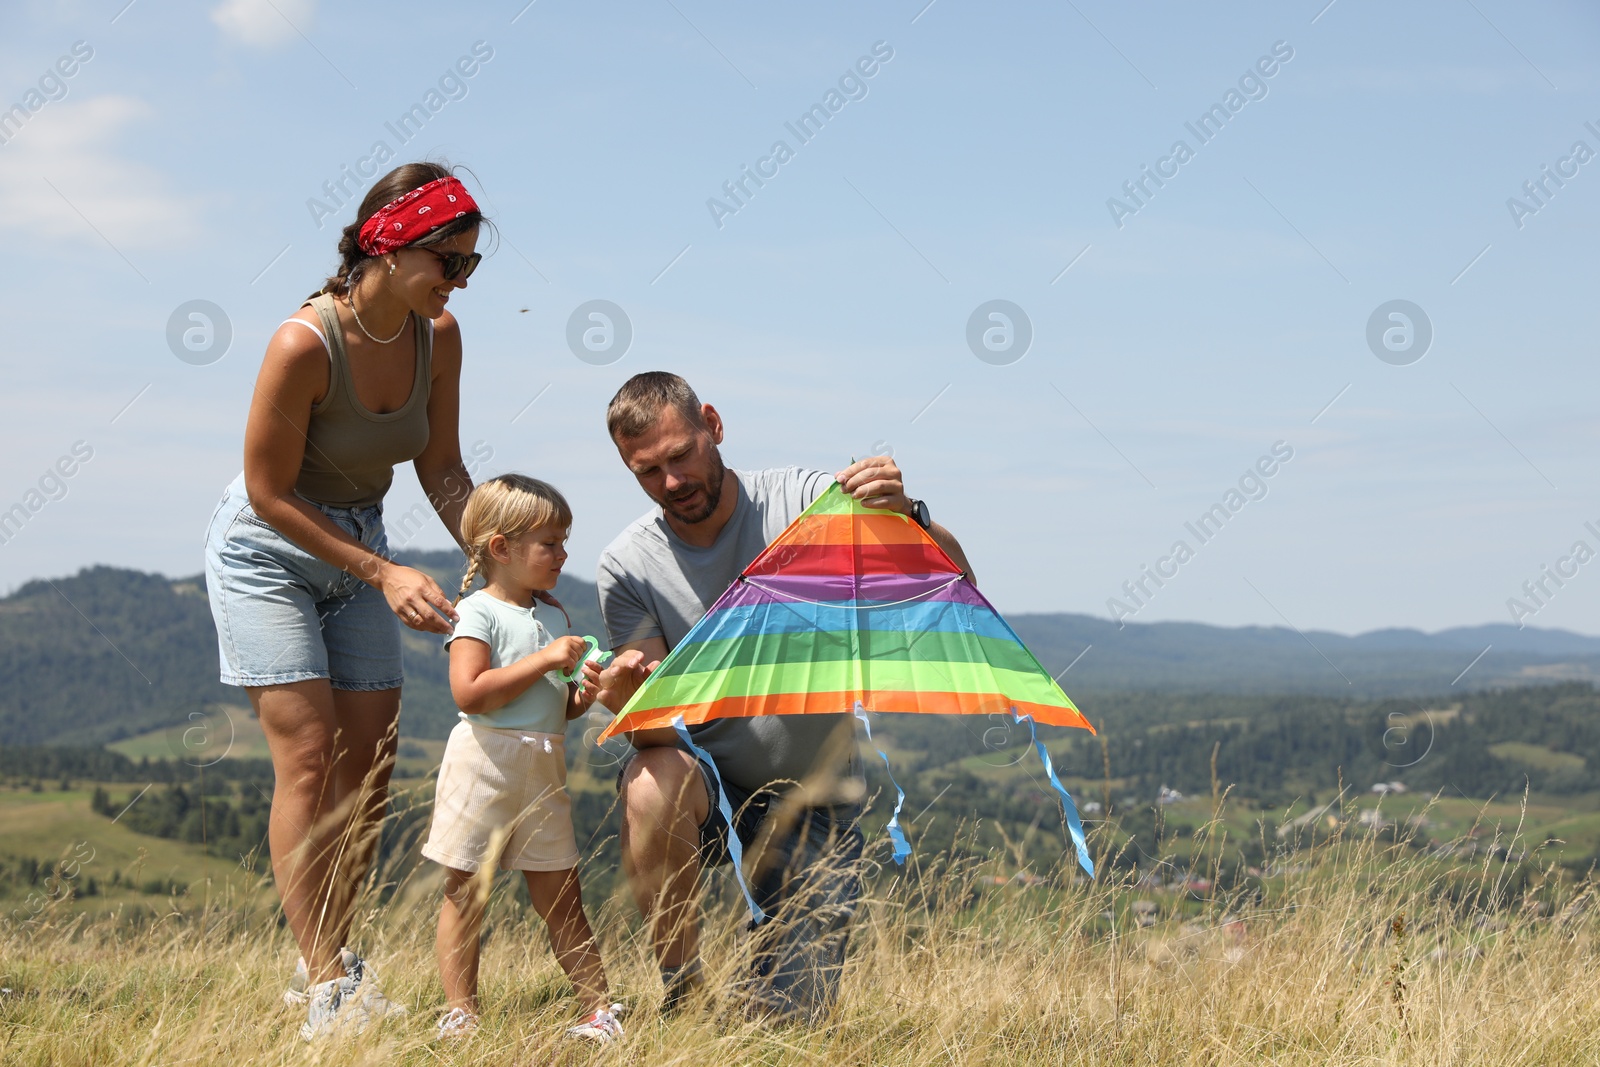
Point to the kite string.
(864, 607)
(735, 846)
(1074, 824)
(902, 848)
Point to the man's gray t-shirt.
(654, 584)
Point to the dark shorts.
(806, 877)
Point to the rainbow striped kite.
(852, 609)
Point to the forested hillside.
(104, 654)
(1274, 749)
(1189, 657)
(108, 653)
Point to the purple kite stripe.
(873, 588)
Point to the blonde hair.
(509, 505)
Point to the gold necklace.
(350, 298)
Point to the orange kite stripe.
(925, 703)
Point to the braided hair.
(474, 567)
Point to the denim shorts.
(283, 615)
(809, 884)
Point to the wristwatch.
(919, 514)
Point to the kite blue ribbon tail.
(1074, 824)
(735, 846)
(902, 848)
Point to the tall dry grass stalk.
(1355, 953)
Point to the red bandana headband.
(414, 215)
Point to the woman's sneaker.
(357, 999)
(373, 1002)
(296, 996)
(333, 1010)
(456, 1024)
(602, 1026)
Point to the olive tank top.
(350, 451)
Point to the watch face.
(920, 513)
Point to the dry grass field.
(1351, 952)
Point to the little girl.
(502, 795)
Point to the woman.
(307, 605)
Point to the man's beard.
(713, 492)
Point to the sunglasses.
(456, 264)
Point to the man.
(794, 782)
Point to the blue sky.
(1169, 353)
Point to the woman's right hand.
(417, 599)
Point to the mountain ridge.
(110, 652)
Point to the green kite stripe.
(834, 501)
(840, 675)
(819, 646)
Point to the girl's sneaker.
(602, 1026)
(457, 1023)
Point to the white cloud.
(71, 146)
(264, 23)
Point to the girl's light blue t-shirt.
(512, 633)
